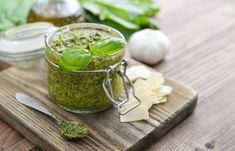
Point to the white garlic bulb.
(149, 46)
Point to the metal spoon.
(67, 129)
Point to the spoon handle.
(33, 103)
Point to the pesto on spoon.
(72, 130)
(67, 129)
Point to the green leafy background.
(13, 13)
(127, 16)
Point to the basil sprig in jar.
(78, 57)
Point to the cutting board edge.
(157, 133)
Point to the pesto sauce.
(81, 92)
(72, 130)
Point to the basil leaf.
(74, 59)
(107, 46)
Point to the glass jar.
(82, 91)
(58, 12)
(23, 47)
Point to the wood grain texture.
(203, 52)
(202, 56)
(106, 132)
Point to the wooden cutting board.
(106, 132)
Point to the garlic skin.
(149, 46)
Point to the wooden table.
(203, 56)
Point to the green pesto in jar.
(81, 92)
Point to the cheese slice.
(163, 100)
(138, 113)
(155, 80)
(142, 83)
(149, 89)
(137, 72)
(163, 90)
(145, 96)
(132, 101)
(149, 96)
(160, 99)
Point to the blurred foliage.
(127, 16)
(13, 13)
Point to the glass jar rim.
(96, 26)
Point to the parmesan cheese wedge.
(138, 113)
(137, 72)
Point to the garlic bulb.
(149, 46)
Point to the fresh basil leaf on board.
(75, 59)
(107, 46)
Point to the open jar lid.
(24, 42)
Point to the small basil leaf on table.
(74, 59)
(107, 46)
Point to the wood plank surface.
(202, 56)
(203, 52)
(106, 132)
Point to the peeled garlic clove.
(149, 46)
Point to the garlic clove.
(149, 46)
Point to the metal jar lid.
(24, 42)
